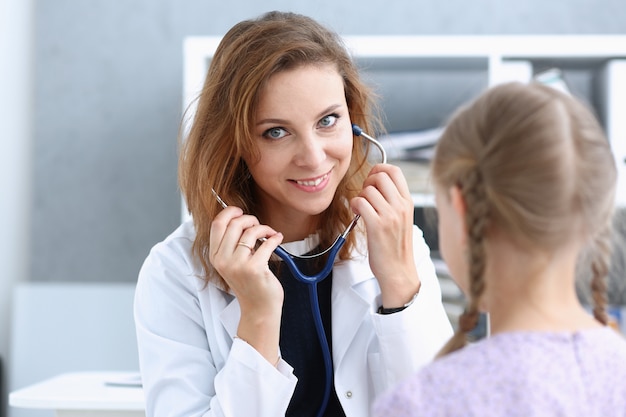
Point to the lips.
(312, 182)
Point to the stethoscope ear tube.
(359, 132)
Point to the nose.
(311, 150)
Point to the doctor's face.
(304, 136)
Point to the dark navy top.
(299, 344)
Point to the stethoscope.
(313, 280)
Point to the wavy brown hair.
(220, 137)
(534, 163)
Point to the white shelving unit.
(480, 61)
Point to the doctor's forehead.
(310, 89)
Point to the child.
(524, 180)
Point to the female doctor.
(224, 327)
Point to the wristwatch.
(383, 310)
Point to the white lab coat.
(192, 365)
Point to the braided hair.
(533, 163)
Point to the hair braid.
(600, 270)
(477, 216)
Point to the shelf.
(423, 79)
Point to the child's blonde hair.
(534, 163)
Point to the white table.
(85, 394)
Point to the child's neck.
(522, 315)
(525, 292)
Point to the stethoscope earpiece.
(356, 129)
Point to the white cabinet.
(423, 79)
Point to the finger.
(392, 172)
(219, 226)
(266, 248)
(361, 206)
(243, 244)
(237, 229)
(251, 237)
(381, 193)
(392, 186)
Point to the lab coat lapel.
(230, 316)
(354, 288)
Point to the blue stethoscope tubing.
(313, 280)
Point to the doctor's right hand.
(244, 266)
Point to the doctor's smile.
(312, 184)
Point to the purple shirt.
(519, 374)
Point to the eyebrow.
(321, 114)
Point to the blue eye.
(328, 121)
(275, 133)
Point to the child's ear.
(458, 202)
(460, 208)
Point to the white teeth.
(313, 183)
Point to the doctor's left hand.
(386, 207)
